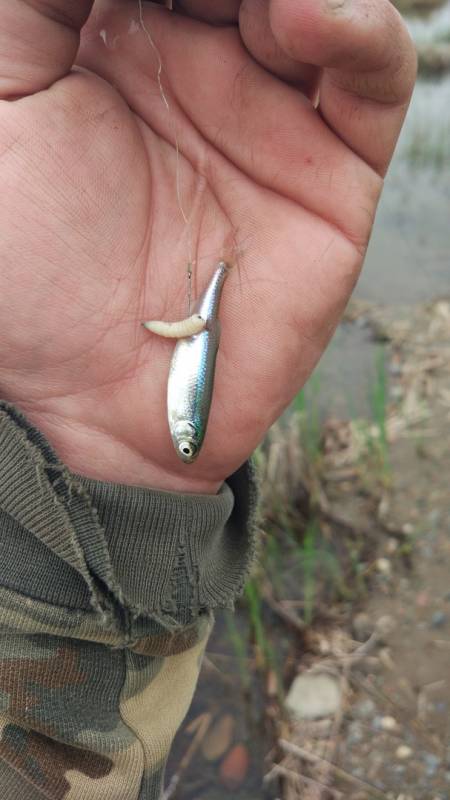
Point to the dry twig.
(312, 758)
(299, 777)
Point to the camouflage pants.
(106, 598)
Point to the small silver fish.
(191, 376)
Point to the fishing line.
(166, 103)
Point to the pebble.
(408, 529)
(422, 599)
(383, 566)
(314, 695)
(362, 626)
(432, 763)
(403, 752)
(358, 772)
(355, 733)
(395, 369)
(391, 546)
(439, 619)
(234, 767)
(388, 724)
(396, 392)
(385, 625)
(364, 709)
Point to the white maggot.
(177, 330)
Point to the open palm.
(110, 187)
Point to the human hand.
(93, 240)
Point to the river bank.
(352, 591)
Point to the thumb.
(38, 43)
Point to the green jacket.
(106, 603)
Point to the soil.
(389, 645)
(408, 680)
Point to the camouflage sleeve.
(106, 601)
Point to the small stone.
(439, 619)
(388, 724)
(385, 625)
(432, 763)
(422, 600)
(364, 709)
(396, 392)
(358, 772)
(362, 626)
(234, 767)
(403, 752)
(408, 529)
(391, 546)
(383, 566)
(314, 695)
(355, 733)
(395, 369)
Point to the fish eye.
(188, 449)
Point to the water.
(408, 260)
(346, 375)
(426, 28)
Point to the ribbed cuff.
(100, 545)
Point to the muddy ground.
(392, 730)
(383, 642)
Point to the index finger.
(39, 40)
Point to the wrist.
(95, 454)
